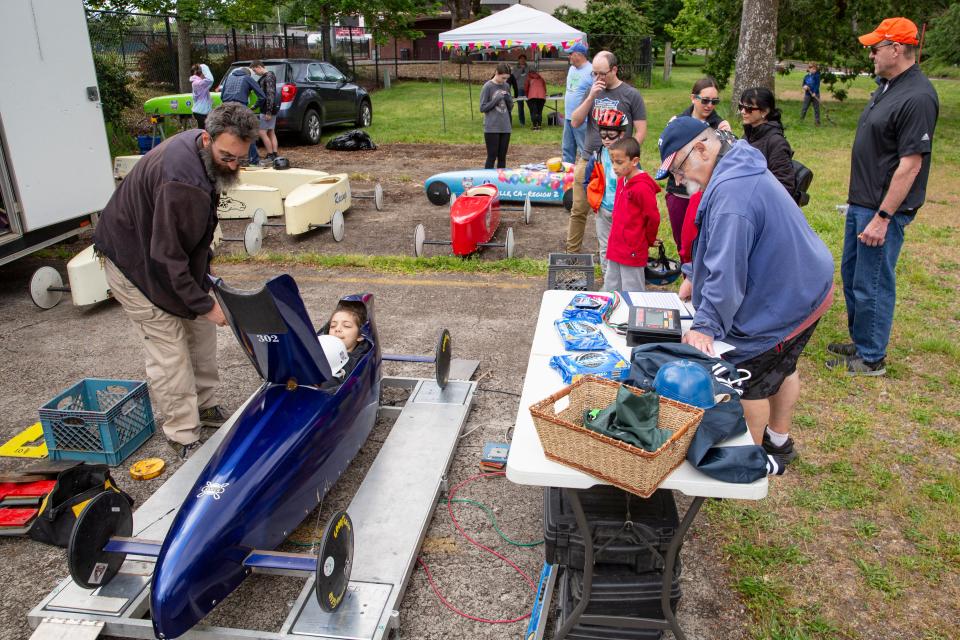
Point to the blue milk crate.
(98, 420)
(146, 143)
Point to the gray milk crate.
(571, 272)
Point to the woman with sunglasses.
(764, 131)
(704, 98)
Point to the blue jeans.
(253, 155)
(870, 282)
(573, 138)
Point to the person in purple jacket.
(201, 80)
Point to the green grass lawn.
(861, 539)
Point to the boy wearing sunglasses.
(601, 182)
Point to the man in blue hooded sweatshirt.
(760, 279)
(236, 88)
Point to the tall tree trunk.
(667, 60)
(325, 29)
(757, 53)
(183, 54)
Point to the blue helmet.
(686, 382)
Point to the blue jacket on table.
(740, 464)
(758, 269)
(237, 88)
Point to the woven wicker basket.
(566, 441)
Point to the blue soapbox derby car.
(545, 183)
(295, 436)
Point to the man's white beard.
(691, 186)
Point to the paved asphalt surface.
(491, 320)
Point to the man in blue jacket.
(236, 88)
(811, 93)
(760, 279)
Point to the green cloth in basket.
(631, 418)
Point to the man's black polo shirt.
(897, 122)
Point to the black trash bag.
(60, 509)
(355, 140)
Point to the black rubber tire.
(312, 127)
(568, 199)
(364, 119)
(438, 193)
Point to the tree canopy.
(614, 25)
(824, 31)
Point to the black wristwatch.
(883, 214)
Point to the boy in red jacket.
(636, 220)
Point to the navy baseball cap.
(676, 135)
(578, 48)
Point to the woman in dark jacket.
(764, 131)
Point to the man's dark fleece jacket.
(158, 226)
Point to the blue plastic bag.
(590, 307)
(604, 364)
(580, 335)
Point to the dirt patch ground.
(402, 170)
(43, 352)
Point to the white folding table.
(527, 464)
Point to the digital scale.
(652, 324)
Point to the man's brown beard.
(222, 176)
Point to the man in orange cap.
(890, 163)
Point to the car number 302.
(267, 337)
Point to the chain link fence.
(147, 46)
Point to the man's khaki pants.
(181, 358)
(578, 213)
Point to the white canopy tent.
(518, 26)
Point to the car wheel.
(365, 115)
(312, 127)
(568, 199)
(438, 193)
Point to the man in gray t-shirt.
(608, 92)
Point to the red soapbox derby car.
(474, 218)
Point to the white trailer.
(55, 171)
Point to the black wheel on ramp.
(443, 355)
(334, 561)
(107, 515)
(438, 193)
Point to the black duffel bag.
(74, 489)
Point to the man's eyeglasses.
(677, 171)
(226, 158)
(706, 101)
(873, 49)
(609, 135)
(746, 108)
(598, 74)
